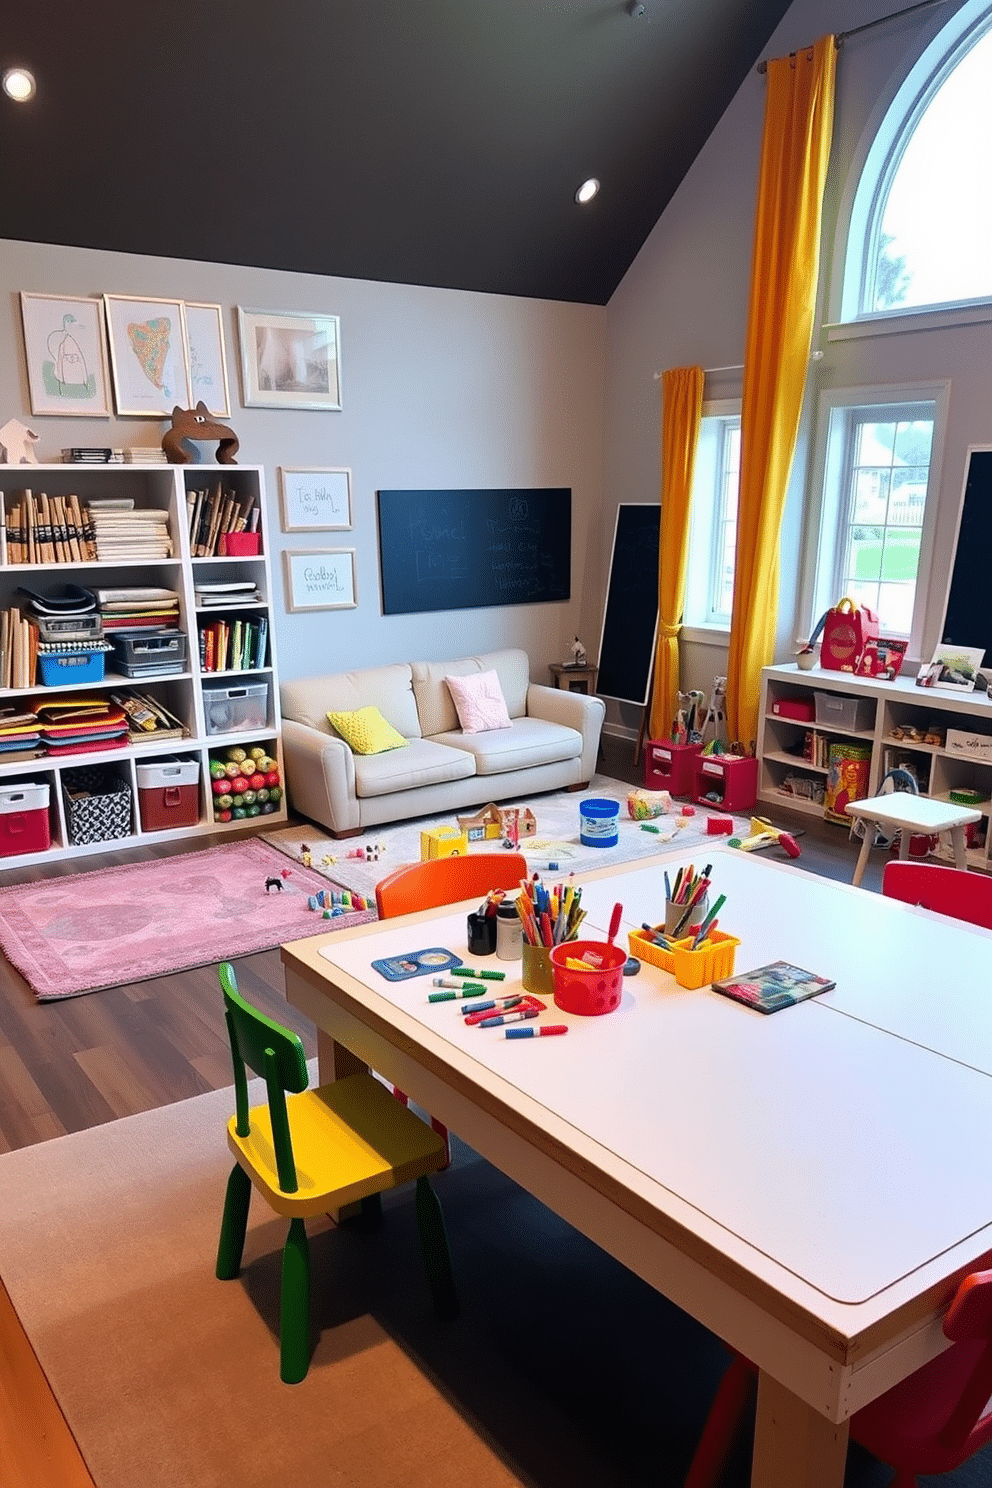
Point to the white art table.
(807, 1184)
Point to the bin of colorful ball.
(245, 782)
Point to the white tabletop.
(760, 1122)
(900, 808)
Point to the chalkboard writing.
(630, 617)
(459, 550)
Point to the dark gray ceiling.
(435, 142)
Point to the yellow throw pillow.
(366, 731)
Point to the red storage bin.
(727, 781)
(25, 826)
(669, 766)
(169, 794)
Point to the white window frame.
(700, 622)
(827, 484)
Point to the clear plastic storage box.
(235, 710)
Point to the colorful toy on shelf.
(245, 783)
(763, 834)
(442, 842)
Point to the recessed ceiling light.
(587, 190)
(18, 84)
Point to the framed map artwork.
(66, 353)
(148, 355)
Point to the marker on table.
(461, 989)
(489, 976)
(446, 981)
(541, 1032)
(514, 1017)
(491, 1003)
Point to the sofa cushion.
(309, 699)
(479, 702)
(422, 762)
(434, 702)
(366, 731)
(527, 742)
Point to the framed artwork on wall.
(65, 349)
(206, 357)
(314, 499)
(289, 359)
(320, 579)
(148, 355)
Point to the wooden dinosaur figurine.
(198, 423)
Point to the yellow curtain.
(682, 407)
(784, 269)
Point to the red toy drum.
(592, 990)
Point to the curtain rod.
(814, 356)
(895, 15)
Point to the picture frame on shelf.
(206, 357)
(320, 579)
(314, 498)
(65, 350)
(147, 355)
(290, 359)
(953, 667)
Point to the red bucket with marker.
(594, 989)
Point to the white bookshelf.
(887, 708)
(181, 692)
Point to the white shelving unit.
(182, 693)
(886, 707)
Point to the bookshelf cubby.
(169, 489)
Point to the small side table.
(573, 678)
(922, 814)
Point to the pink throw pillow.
(479, 702)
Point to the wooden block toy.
(485, 826)
(442, 842)
(717, 824)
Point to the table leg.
(957, 838)
(334, 1062)
(866, 842)
(793, 1443)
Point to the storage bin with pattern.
(98, 804)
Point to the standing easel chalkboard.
(630, 617)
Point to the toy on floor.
(717, 824)
(441, 842)
(642, 805)
(763, 834)
(333, 902)
(273, 883)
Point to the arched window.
(922, 222)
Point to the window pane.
(936, 223)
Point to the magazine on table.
(777, 985)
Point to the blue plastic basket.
(66, 668)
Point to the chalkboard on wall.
(968, 621)
(460, 550)
(630, 618)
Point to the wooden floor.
(68, 1065)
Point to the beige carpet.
(557, 839)
(169, 1379)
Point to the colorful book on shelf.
(777, 985)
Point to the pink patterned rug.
(91, 930)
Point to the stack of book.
(213, 514)
(126, 534)
(82, 724)
(145, 454)
(233, 645)
(238, 592)
(44, 529)
(20, 735)
(18, 649)
(92, 455)
(137, 609)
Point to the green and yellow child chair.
(321, 1149)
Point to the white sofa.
(552, 743)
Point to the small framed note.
(314, 499)
(320, 579)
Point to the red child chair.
(929, 1423)
(949, 891)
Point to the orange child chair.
(949, 891)
(321, 1149)
(931, 1422)
(445, 881)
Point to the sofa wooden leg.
(351, 832)
(582, 785)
